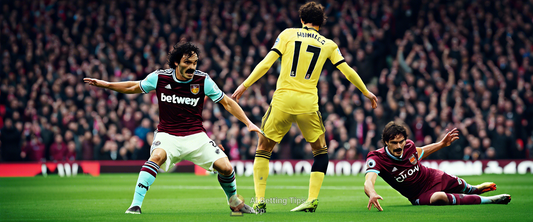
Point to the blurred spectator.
(110, 151)
(71, 151)
(143, 129)
(468, 153)
(58, 150)
(434, 65)
(34, 149)
(87, 146)
(11, 142)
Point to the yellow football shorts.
(277, 123)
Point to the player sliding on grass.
(180, 134)
(303, 52)
(398, 163)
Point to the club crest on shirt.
(370, 163)
(413, 159)
(157, 143)
(195, 88)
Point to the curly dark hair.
(312, 12)
(392, 130)
(180, 49)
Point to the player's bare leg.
(226, 178)
(261, 170)
(441, 198)
(318, 171)
(146, 178)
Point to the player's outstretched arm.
(370, 180)
(447, 140)
(258, 72)
(354, 78)
(236, 110)
(129, 87)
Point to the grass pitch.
(186, 197)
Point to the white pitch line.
(268, 187)
(380, 187)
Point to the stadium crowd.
(433, 64)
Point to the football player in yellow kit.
(303, 52)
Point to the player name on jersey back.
(315, 36)
(179, 100)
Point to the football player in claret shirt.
(180, 134)
(398, 163)
(303, 52)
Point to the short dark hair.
(312, 12)
(181, 48)
(392, 130)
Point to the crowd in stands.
(434, 65)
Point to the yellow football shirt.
(303, 52)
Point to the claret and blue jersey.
(181, 102)
(405, 174)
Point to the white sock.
(485, 200)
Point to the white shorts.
(197, 148)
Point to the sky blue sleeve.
(150, 82)
(211, 89)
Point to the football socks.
(228, 184)
(146, 178)
(321, 160)
(318, 171)
(261, 169)
(485, 200)
(469, 189)
(315, 182)
(462, 199)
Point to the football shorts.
(197, 148)
(448, 184)
(277, 123)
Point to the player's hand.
(253, 128)
(372, 98)
(451, 136)
(96, 82)
(374, 201)
(238, 93)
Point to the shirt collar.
(179, 81)
(392, 156)
(309, 28)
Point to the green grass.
(186, 197)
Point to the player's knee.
(319, 143)
(439, 198)
(225, 169)
(159, 156)
(223, 166)
(265, 144)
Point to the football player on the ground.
(398, 163)
(303, 52)
(180, 134)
